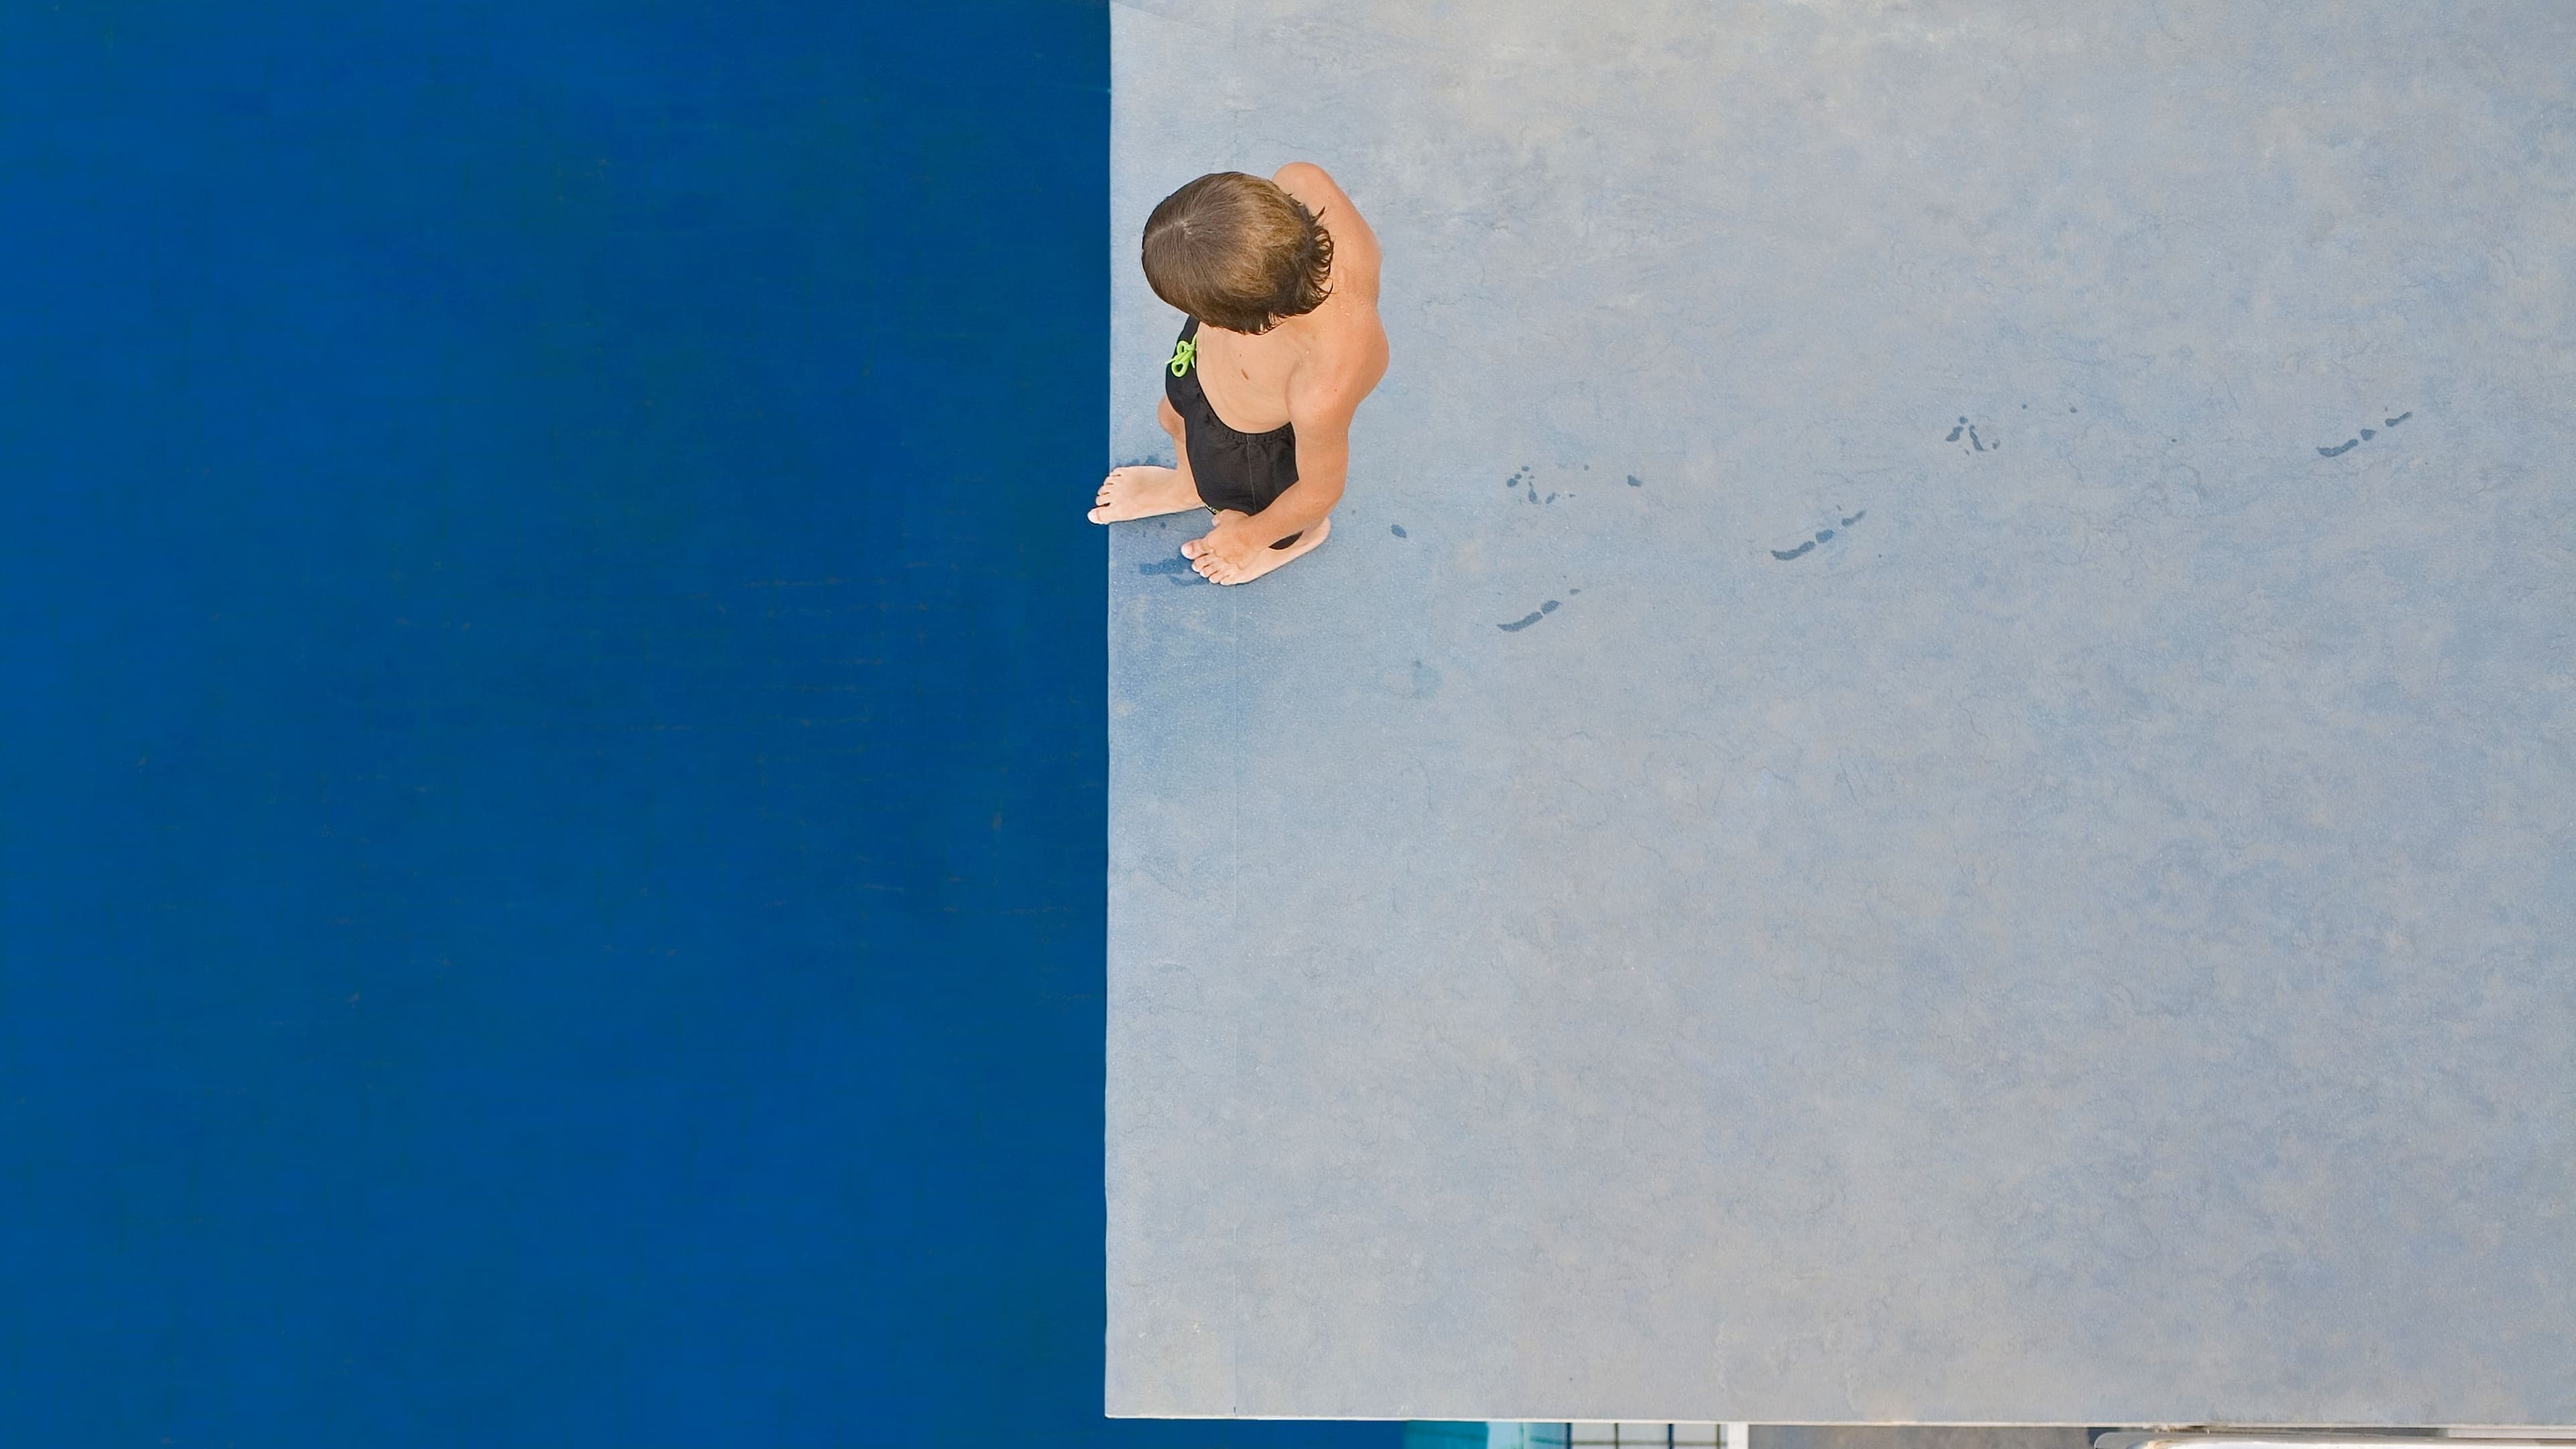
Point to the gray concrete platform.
(1929, 776)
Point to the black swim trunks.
(1245, 471)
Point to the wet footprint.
(1526, 479)
(1532, 617)
(1178, 568)
(1822, 535)
(2366, 435)
(1964, 427)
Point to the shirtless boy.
(1282, 343)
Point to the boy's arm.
(1321, 413)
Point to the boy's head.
(1237, 252)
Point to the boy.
(1283, 338)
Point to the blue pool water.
(551, 807)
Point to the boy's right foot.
(1142, 490)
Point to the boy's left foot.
(1272, 558)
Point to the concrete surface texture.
(1928, 777)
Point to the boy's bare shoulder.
(1309, 183)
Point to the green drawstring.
(1183, 354)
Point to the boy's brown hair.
(1235, 251)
